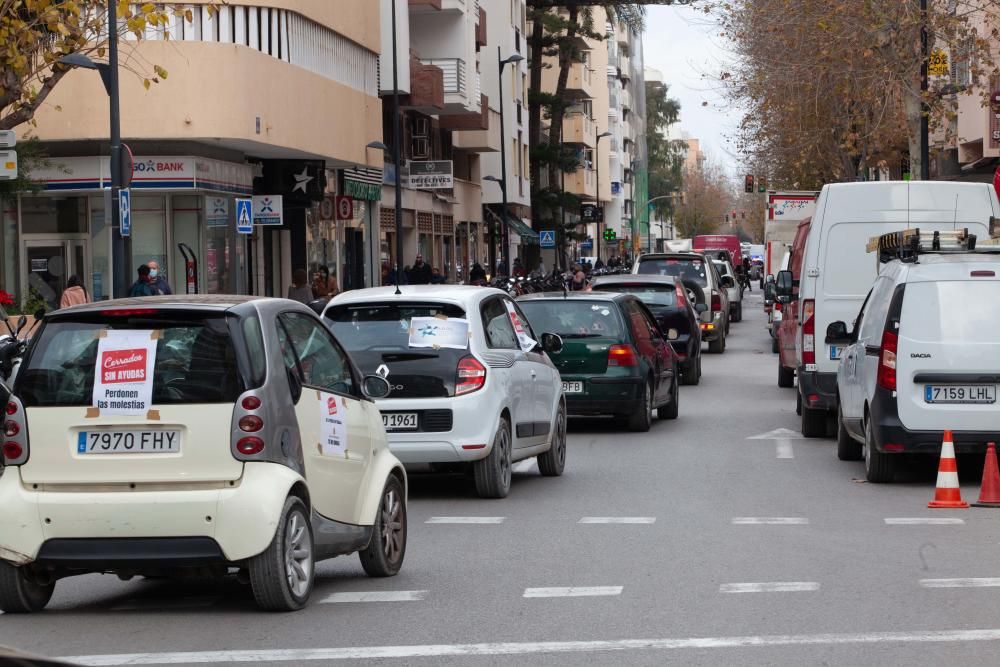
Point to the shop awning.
(527, 234)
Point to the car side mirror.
(836, 333)
(700, 308)
(769, 278)
(375, 386)
(769, 292)
(552, 343)
(294, 386)
(728, 282)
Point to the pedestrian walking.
(143, 286)
(579, 279)
(300, 290)
(324, 285)
(74, 294)
(420, 272)
(158, 280)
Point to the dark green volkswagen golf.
(614, 359)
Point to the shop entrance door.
(48, 265)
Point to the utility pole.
(925, 152)
(121, 246)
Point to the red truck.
(708, 242)
(790, 313)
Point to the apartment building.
(446, 124)
(275, 100)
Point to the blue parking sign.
(125, 211)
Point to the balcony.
(458, 98)
(481, 38)
(625, 67)
(469, 134)
(578, 128)
(581, 81)
(426, 88)
(451, 6)
(626, 99)
(582, 182)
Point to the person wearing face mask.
(158, 282)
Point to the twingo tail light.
(471, 376)
(681, 297)
(808, 332)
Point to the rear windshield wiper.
(580, 335)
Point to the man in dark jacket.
(420, 273)
(144, 285)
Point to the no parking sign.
(345, 208)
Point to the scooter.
(13, 345)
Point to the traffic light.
(610, 235)
(748, 183)
(683, 198)
(762, 185)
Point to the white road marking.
(375, 596)
(778, 434)
(618, 519)
(529, 648)
(526, 465)
(572, 591)
(770, 587)
(924, 521)
(985, 582)
(465, 519)
(769, 521)
(784, 449)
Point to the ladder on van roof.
(908, 244)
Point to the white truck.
(785, 210)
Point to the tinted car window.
(652, 295)
(319, 363)
(497, 327)
(574, 318)
(722, 268)
(693, 269)
(195, 360)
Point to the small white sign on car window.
(332, 430)
(451, 332)
(526, 342)
(123, 379)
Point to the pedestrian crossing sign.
(244, 216)
(547, 238)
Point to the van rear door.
(948, 360)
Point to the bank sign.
(431, 175)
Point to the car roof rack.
(908, 244)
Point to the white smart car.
(174, 435)
(470, 381)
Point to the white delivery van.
(838, 272)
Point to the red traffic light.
(748, 183)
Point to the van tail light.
(887, 361)
(471, 376)
(808, 332)
(622, 355)
(681, 297)
(14, 436)
(716, 301)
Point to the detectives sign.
(431, 175)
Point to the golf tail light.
(808, 332)
(471, 376)
(622, 355)
(886, 378)
(15, 435)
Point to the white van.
(837, 271)
(923, 355)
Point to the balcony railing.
(454, 73)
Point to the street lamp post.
(597, 198)
(121, 246)
(397, 151)
(649, 226)
(505, 241)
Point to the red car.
(709, 242)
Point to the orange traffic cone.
(989, 493)
(948, 494)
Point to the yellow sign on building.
(937, 64)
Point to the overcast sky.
(685, 45)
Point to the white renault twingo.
(177, 435)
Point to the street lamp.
(121, 246)
(600, 209)
(505, 243)
(396, 150)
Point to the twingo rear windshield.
(382, 327)
(685, 268)
(196, 360)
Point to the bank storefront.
(64, 230)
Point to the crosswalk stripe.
(618, 519)
(924, 521)
(769, 521)
(984, 582)
(465, 519)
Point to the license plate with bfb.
(572, 387)
(399, 421)
(128, 442)
(960, 393)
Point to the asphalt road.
(726, 550)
